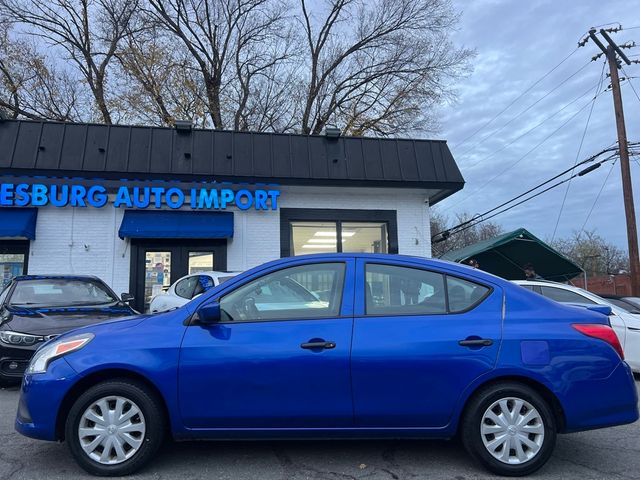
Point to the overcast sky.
(518, 42)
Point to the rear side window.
(565, 296)
(464, 294)
(395, 290)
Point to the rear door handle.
(476, 342)
(318, 345)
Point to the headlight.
(58, 348)
(17, 338)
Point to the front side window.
(302, 292)
(60, 292)
(393, 290)
(565, 296)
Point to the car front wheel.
(510, 429)
(115, 427)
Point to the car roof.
(214, 273)
(452, 267)
(57, 277)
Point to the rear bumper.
(602, 403)
(41, 396)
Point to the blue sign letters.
(75, 195)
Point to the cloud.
(517, 43)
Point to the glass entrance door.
(157, 274)
(156, 265)
(13, 260)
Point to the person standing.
(530, 272)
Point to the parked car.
(625, 324)
(629, 304)
(442, 349)
(187, 288)
(37, 308)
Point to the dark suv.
(36, 308)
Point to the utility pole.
(611, 52)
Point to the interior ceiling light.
(332, 241)
(318, 246)
(324, 233)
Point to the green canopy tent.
(505, 255)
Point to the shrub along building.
(141, 206)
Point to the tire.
(139, 436)
(531, 440)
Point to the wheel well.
(94, 379)
(548, 395)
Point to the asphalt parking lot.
(601, 454)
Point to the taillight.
(602, 332)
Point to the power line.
(492, 133)
(584, 133)
(522, 157)
(613, 164)
(631, 84)
(482, 217)
(517, 98)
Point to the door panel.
(409, 370)
(257, 375)
(247, 373)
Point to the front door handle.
(476, 342)
(318, 345)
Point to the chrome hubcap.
(111, 430)
(512, 430)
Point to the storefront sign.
(74, 195)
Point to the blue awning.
(18, 222)
(167, 224)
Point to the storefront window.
(364, 237)
(322, 237)
(200, 262)
(11, 265)
(314, 237)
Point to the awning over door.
(506, 255)
(18, 222)
(167, 224)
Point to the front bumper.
(14, 361)
(41, 397)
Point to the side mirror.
(209, 313)
(127, 297)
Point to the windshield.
(58, 292)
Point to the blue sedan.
(335, 346)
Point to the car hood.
(57, 320)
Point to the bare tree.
(88, 31)
(593, 253)
(477, 233)
(233, 43)
(376, 66)
(32, 88)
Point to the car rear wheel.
(115, 427)
(509, 428)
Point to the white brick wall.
(61, 236)
(85, 240)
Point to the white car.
(625, 324)
(187, 288)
